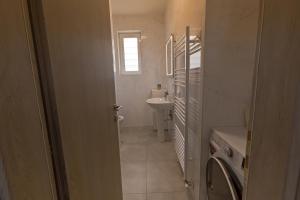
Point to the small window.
(129, 52)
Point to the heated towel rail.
(187, 71)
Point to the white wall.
(182, 13)
(133, 90)
(230, 37)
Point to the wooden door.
(27, 166)
(80, 51)
(274, 157)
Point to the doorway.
(150, 162)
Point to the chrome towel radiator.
(187, 69)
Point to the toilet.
(120, 120)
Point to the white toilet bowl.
(120, 120)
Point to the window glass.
(131, 54)
(129, 49)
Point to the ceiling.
(137, 7)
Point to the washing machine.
(225, 168)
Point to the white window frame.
(121, 36)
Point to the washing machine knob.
(228, 151)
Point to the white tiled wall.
(134, 90)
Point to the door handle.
(117, 108)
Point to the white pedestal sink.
(160, 106)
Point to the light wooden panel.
(278, 82)
(292, 185)
(80, 47)
(23, 136)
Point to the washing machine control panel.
(228, 151)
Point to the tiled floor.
(149, 168)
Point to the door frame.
(40, 43)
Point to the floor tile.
(164, 151)
(134, 176)
(133, 152)
(167, 196)
(149, 166)
(134, 197)
(138, 137)
(164, 176)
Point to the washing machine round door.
(220, 185)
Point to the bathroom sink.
(160, 107)
(160, 103)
